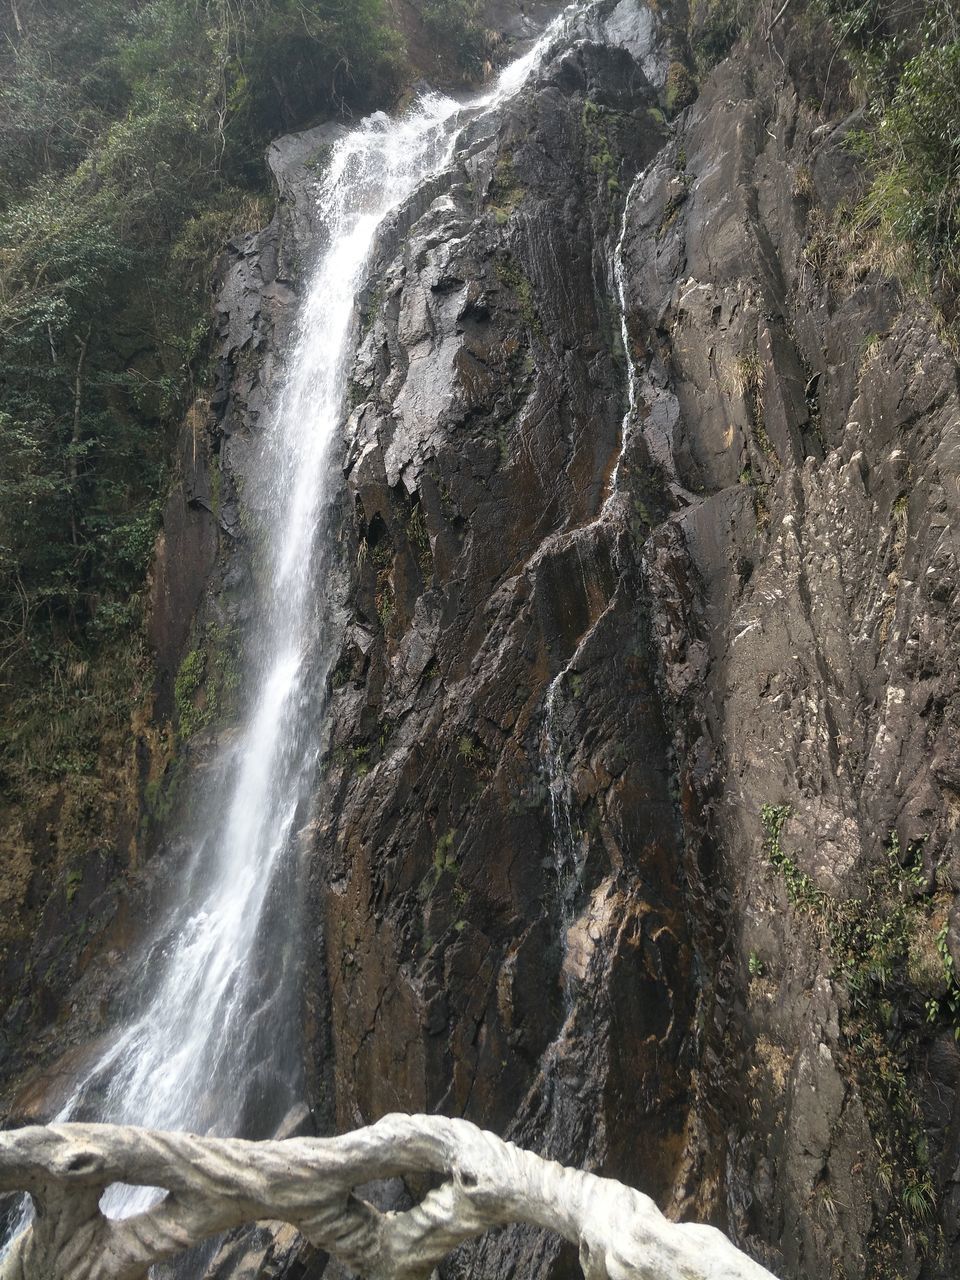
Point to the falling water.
(568, 852)
(214, 1047)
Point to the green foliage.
(869, 935)
(420, 539)
(73, 882)
(386, 606)
(206, 686)
(66, 741)
(948, 1004)
(681, 88)
(131, 138)
(604, 162)
(456, 25)
(506, 192)
(355, 758)
(513, 277)
(905, 59)
(444, 863)
(186, 688)
(904, 56)
(915, 153)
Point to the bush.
(915, 152)
(715, 27)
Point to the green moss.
(506, 191)
(372, 308)
(441, 854)
(73, 883)
(603, 158)
(162, 793)
(512, 276)
(206, 685)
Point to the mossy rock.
(681, 88)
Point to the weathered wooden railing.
(216, 1184)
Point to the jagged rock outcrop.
(773, 574)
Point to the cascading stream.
(567, 845)
(215, 1048)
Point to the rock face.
(636, 836)
(498, 847)
(804, 415)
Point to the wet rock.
(581, 655)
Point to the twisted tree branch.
(215, 1184)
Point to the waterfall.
(214, 1046)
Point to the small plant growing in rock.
(681, 88)
(74, 880)
(949, 1003)
(420, 540)
(870, 347)
(748, 374)
(385, 606)
(803, 185)
(919, 1199)
(801, 890)
(443, 861)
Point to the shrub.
(915, 152)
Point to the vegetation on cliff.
(132, 139)
(903, 61)
(906, 64)
(131, 149)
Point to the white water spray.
(214, 1047)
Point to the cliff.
(636, 833)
